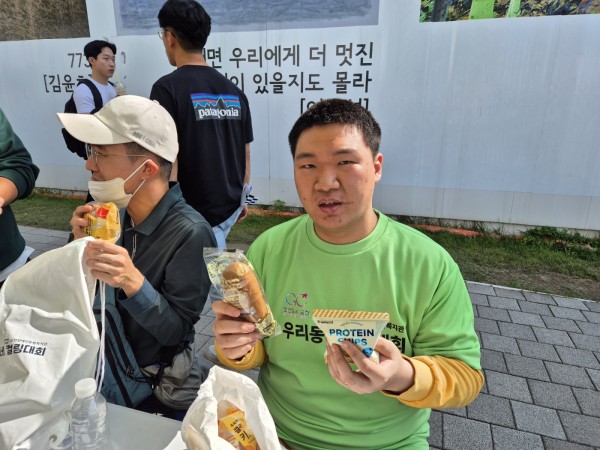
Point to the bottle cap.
(85, 388)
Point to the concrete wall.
(483, 120)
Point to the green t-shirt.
(397, 270)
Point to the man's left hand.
(111, 263)
(393, 373)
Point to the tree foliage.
(451, 10)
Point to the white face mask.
(113, 190)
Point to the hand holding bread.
(236, 281)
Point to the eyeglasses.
(90, 152)
(162, 32)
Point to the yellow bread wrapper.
(233, 428)
(362, 328)
(104, 222)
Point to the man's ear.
(171, 40)
(378, 166)
(150, 169)
(90, 60)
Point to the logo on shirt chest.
(296, 305)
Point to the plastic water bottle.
(88, 418)
(120, 88)
(66, 444)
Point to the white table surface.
(137, 430)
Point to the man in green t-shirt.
(345, 255)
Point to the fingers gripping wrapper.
(103, 222)
(362, 328)
(235, 280)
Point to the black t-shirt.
(213, 122)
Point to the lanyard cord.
(134, 240)
(101, 351)
(134, 246)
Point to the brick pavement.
(541, 358)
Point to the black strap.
(95, 92)
(167, 354)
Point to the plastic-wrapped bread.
(240, 277)
(235, 282)
(103, 222)
(243, 290)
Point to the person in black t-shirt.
(213, 120)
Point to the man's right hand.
(234, 336)
(78, 222)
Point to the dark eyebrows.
(340, 152)
(304, 155)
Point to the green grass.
(246, 231)
(543, 259)
(527, 263)
(46, 211)
(518, 254)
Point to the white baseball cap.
(127, 118)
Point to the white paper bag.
(200, 430)
(48, 341)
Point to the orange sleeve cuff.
(423, 382)
(254, 358)
(441, 383)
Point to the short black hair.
(94, 48)
(337, 111)
(164, 166)
(189, 22)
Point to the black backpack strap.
(166, 359)
(95, 92)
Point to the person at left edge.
(154, 270)
(17, 180)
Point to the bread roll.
(239, 278)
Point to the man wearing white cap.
(155, 270)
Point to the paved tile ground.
(541, 358)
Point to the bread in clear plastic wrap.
(241, 283)
(237, 284)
